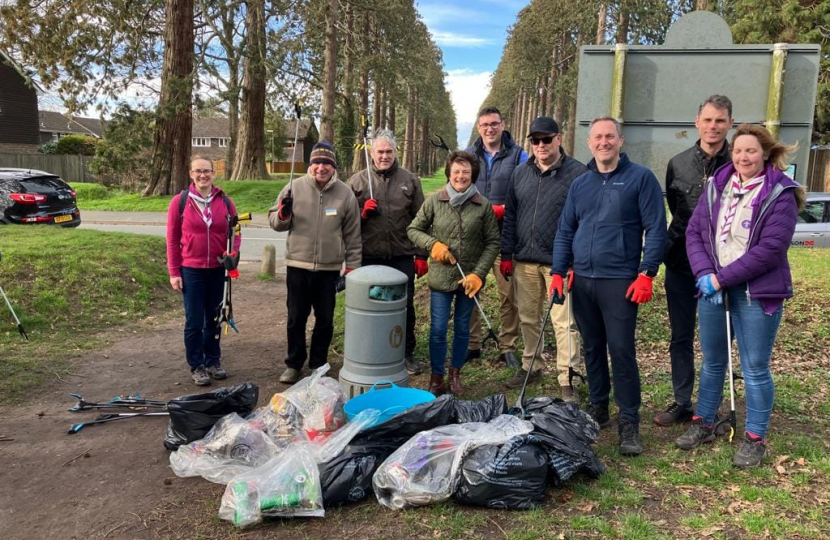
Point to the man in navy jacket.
(600, 236)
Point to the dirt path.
(120, 485)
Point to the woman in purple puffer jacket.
(737, 242)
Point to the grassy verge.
(68, 287)
(248, 195)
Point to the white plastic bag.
(286, 486)
(230, 448)
(315, 404)
(426, 468)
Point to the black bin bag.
(482, 410)
(508, 477)
(191, 417)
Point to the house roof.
(55, 122)
(219, 128)
(5, 58)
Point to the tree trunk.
(329, 74)
(571, 129)
(425, 147)
(531, 96)
(376, 99)
(382, 115)
(233, 122)
(622, 25)
(603, 14)
(250, 152)
(359, 161)
(392, 114)
(174, 116)
(410, 129)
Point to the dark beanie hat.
(323, 152)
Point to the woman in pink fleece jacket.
(196, 249)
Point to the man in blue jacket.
(600, 236)
(498, 155)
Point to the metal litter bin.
(375, 329)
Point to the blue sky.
(471, 34)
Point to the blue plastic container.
(389, 401)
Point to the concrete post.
(776, 87)
(269, 260)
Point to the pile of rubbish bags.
(297, 455)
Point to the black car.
(30, 196)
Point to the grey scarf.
(457, 199)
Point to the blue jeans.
(440, 304)
(202, 290)
(755, 333)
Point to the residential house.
(18, 109)
(211, 137)
(54, 125)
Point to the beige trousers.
(532, 284)
(508, 316)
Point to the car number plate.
(61, 219)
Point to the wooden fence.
(70, 168)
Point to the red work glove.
(506, 269)
(286, 207)
(499, 210)
(421, 267)
(370, 209)
(570, 276)
(556, 292)
(640, 290)
(347, 270)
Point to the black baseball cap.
(543, 124)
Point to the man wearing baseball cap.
(322, 218)
(535, 198)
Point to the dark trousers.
(306, 290)
(405, 264)
(607, 322)
(202, 290)
(680, 295)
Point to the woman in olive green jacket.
(458, 227)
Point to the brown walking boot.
(455, 382)
(437, 386)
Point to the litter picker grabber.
(572, 373)
(230, 260)
(16, 320)
(111, 417)
(134, 401)
(519, 408)
(440, 144)
(365, 125)
(730, 420)
(298, 111)
(490, 333)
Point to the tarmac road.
(255, 235)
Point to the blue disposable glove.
(716, 298)
(705, 286)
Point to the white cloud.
(450, 39)
(467, 90)
(436, 14)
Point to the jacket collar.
(506, 144)
(388, 172)
(722, 155)
(531, 161)
(444, 196)
(310, 179)
(621, 165)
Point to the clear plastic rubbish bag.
(231, 447)
(286, 486)
(426, 468)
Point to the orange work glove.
(555, 292)
(441, 253)
(472, 284)
(640, 290)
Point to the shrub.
(49, 147)
(77, 145)
(88, 191)
(123, 157)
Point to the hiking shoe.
(751, 453)
(217, 372)
(630, 443)
(472, 354)
(697, 433)
(200, 376)
(674, 414)
(569, 395)
(413, 367)
(518, 380)
(509, 358)
(599, 413)
(290, 376)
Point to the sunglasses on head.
(546, 140)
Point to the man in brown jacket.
(386, 212)
(322, 218)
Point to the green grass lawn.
(68, 286)
(248, 195)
